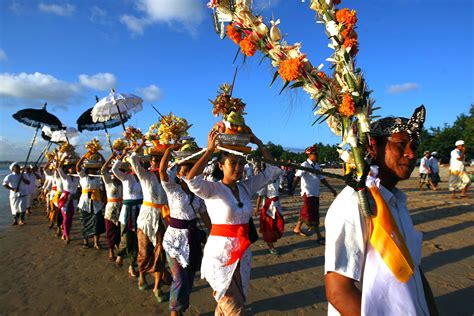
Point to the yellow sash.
(95, 196)
(388, 241)
(165, 210)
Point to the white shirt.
(454, 163)
(310, 182)
(176, 241)
(131, 187)
(89, 183)
(32, 178)
(434, 164)
(70, 184)
(349, 253)
(48, 182)
(114, 191)
(12, 180)
(222, 207)
(272, 190)
(424, 165)
(150, 217)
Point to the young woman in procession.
(113, 189)
(132, 200)
(150, 224)
(47, 187)
(227, 256)
(55, 217)
(182, 238)
(66, 205)
(271, 214)
(90, 202)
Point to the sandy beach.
(39, 274)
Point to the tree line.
(439, 139)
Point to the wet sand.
(39, 274)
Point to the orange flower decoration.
(247, 46)
(353, 44)
(322, 75)
(233, 34)
(290, 69)
(346, 17)
(347, 107)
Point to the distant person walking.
(18, 186)
(434, 167)
(310, 189)
(424, 170)
(458, 178)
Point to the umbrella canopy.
(85, 122)
(63, 136)
(38, 118)
(115, 106)
(46, 133)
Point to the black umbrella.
(85, 122)
(37, 118)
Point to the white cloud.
(265, 4)
(403, 87)
(37, 86)
(187, 13)
(99, 15)
(150, 93)
(14, 149)
(58, 9)
(102, 81)
(3, 55)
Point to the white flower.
(332, 28)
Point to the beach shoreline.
(39, 274)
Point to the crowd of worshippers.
(169, 221)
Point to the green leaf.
(284, 86)
(262, 59)
(236, 55)
(275, 75)
(297, 84)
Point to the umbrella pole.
(46, 148)
(44, 156)
(121, 118)
(28, 156)
(108, 137)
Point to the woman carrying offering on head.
(227, 256)
(182, 239)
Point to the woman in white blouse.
(182, 238)
(90, 202)
(113, 189)
(66, 200)
(227, 256)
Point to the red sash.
(240, 231)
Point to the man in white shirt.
(359, 280)
(458, 178)
(310, 185)
(434, 167)
(424, 170)
(18, 185)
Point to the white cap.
(434, 153)
(13, 165)
(459, 143)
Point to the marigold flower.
(247, 46)
(233, 34)
(346, 17)
(322, 75)
(290, 69)
(347, 106)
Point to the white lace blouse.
(114, 191)
(149, 218)
(223, 208)
(176, 241)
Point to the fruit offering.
(172, 128)
(133, 134)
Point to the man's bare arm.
(342, 293)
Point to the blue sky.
(65, 52)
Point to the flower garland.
(343, 100)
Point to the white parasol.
(116, 105)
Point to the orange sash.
(114, 200)
(388, 241)
(165, 210)
(240, 231)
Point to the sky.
(65, 53)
